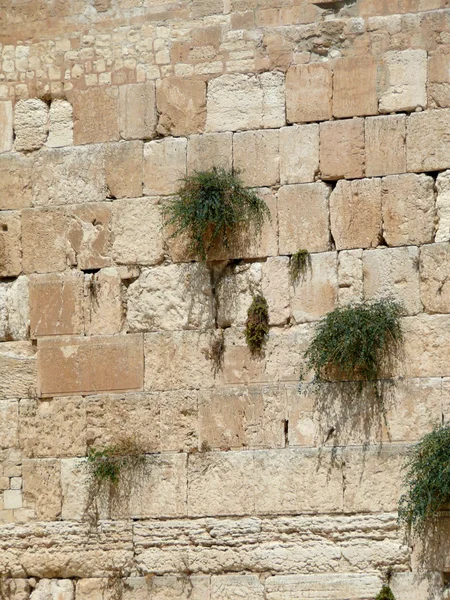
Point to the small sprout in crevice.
(385, 593)
(205, 447)
(299, 264)
(215, 352)
(257, 325)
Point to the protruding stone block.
(342, 151)
(181, 105)
(60, 124)
(18, 359)
(425, 130)
(10, 244)
(385, 145)
(164, 166)
(309, 93)
(30, 124)
(299, 153)
(137, 111)
(253, 150)
(96, 115)
(15, 182)
(355, 87)
(404, 80)
(209, 150)
(6, 126)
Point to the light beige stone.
(124, 169)
(18, 359)
(309, 93)
(414, 586)
(393, 272)
(89, 236)
(96, 115)
(256, 157)
(237, 101)
(425, 130)
(434, 278)
(350, 276)
(9, 426)
(30, 124)
(45, 246)
(299, 153)
(181, 105)
(239, 366)
(53, 589)
(6, 126)
(209, 150)
(303, 213)
(137, 111)
(60, 124)
(355, 213)
(12, 499)
(40, 419)
(137, 231)
(71, 365)
(42, 487)
(15, 183)
(10, 244)
(342, 151)
(439, 78)
(403, 83)
(224, 587)
(178, 421)
(275, 287)
(75, 489)
(316, 293)
(426, 343)
(103, 302)
(339, 586)
(164, 166)
(235, 289)
(443, 207)
(408, 207)
(385, 145)
(14, 310)
(355, 87)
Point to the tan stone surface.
(54, 589)
(355, 87)
(425, 130)
(96, 115)
(10, 244)
(9, 425)
(178, 421)
(438, 78)
(42, 488)
(56, 304)
(45, 247)
(181, 105)
(235, 289)
(60, 124)
(14, 310)
(256, 157)
(427, 339)
(403, 80)
(30, 124)
(339, 586)
(308, 93)
(385, 145)
(15, 183)
(137, 234)
(350, 276)
(18, 359)
(443, 207)
(123, 165)
(209, 150)
(408, 206)
(299, 153)
(40, 419)
(164, 166)
(137, 111)
(342, 152)
(89, 236)
(275, 288)
(103, 302)
(81, 365)
(224, 587)
(355, 213)
(434, 274)
(6, 126)
(239, 366)
(303, 212)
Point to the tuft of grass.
(299, 264)
(212, 205)
(257, 324)
(427, 479)
(106, 465)
(355, 341)
(385, 593)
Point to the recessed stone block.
(60, 124)
(89, 236)
(14, 310)
(103, 302)
(309, 93)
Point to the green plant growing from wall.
(213, 205)
(299, 264)
(216, 351)
(385, 593)
(427, 480)
(257, 324)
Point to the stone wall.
(338, 113)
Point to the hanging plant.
(257, 324)
(385, 594)
(299, 264)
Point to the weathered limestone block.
(165, 587)
(53, 589)
(19, 589)
(15, 182)
(426, 346)
(403, 83)
(393, 272)
(170, 297)
(89, 236)
(30, 124)
(42, 487)
(103, 302)
(56, 304)
(303, 213)
(355, 87)
(6, 126)
(39, 420)
(209, 150)
(342, 152)
(235, 290)
(60, 124)
(9, 425)
(224, 587)
(385, 145)
(355, 213)
(82, 365)
(443, 207)
(137, 233)
(45, 247)
(299, 153)
(181, 105)
(238, 364)
(275, 287)
(284, 353)
(350, 276)
(415, 586)
(178, 421)
(308, 93)
(18, 359)
(14, 310)
(434, 278)
(177, 360)
(96, 115)
(339, 586)
(425, 130)
(10, 244)
(238, 101)
(439, 78)
(124, 169)
(221, 483)
(256, 157)
(316, 293)
(164, 166)
(79, 500)
(137, 111)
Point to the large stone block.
(10, 244)
(238, 101)
(303, 215)
(6, 126)
(275, 288)
(443, 207)
(89, 236)
(54, 589)
(403, 84)
(434, 278)
(14, 310)
(137, 111)
(18, 359)
(103, 302)
(256, 157)
(179, 421)
(45, 246)
(355, 213)
(15, 182)
(426, 346)
(181, 105)
(224, 587)
(60, 124)
(342, 152)
(350, 276)
(209, 150)
(393, 272)
(425, 130)
(42, 487)
(9, 425)
(309, 93)
(339, 586)
(299, 153)
(124, 169)
(164, 166)
(439, 78)
(355, 87)
(385, 145)
(171, 297)
(82, 365)
(235, 289)
(96, 115)
(30, 124)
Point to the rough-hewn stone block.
(350, 276)
(275, 288)
(403, 83)
(54, 589)
(89, 236)
(299, 153)
(209, 150)
(137, 111)
(42, 488)
(60, 124)
(439, 78)
(30, 124)
(181, 105)
(45, 247)
(308, 93)
(434, 278)
(9, 425)
(124, 169)
(426, 346)
(103, 302)
(18, 359)
(342, 152)
(15, 182)
(164, 166)
(14, 310)
(10, 244)
(256, 156)
(425, 130)
(235, 288)
(96, 115)
(339, 586)
(385, 145)
(178, 421)
(224, 587)
(443, 207)
(355, 87)
(6, 126)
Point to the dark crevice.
(332, 242)
(433, 174)
(286, 433)
(90, 271)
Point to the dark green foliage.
(385, 594)
(213, 205)
(355, 341)
(257, 324)
(106, 465)
(300, 263)
(427, 479)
